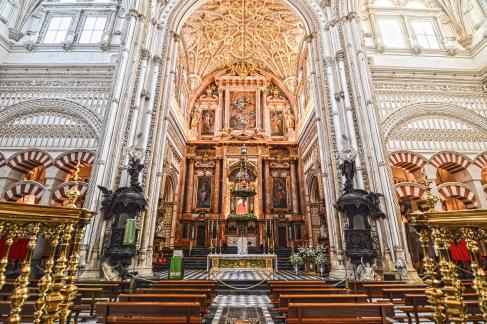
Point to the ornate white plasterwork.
(431, 112)
(49, 123)
(436, 126)
(89, 88)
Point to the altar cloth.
(248, 262)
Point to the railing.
(62, 228)
(445, 290)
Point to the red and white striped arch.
(460, 192)
(27, 160)
(23, 188)
(481, 160)
(59, 195)
(410, 190)
(68, 161)
(407, 160)
(451, 161)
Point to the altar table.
(247, 262)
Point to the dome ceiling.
(222, 32)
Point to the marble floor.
(242, 275)
(242, 307)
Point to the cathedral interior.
(242, 134)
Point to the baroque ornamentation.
(218, 24)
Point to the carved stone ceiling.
(215, 37)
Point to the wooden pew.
(110, 290)
(148, 312)
(89, 296)
(199, 298)
(357, 286)
(274, 295)
(206, 291)
(336, 313)
(28, 310)
(124, 286)
(307, 285)
(286, 299)
(396, 295)
(183, 285)
(415, 304)
(375, 290)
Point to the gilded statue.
(289, 120)
(195, 119)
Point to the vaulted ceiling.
(222, 32)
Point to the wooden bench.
(367, 313)
(28, 310)
(396, 295)
(89, 296)
(375, 290)
(148, 312)
(183, 285)
(199, 298)
(308, 285)
(274, 294)
(206, 291)
(109, 290)
(357, 286)
(286, 299)
(415, 304)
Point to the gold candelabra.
(445, 290)
(62, 228)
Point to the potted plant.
(296, 260)
(320, 260)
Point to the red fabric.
(459, 252)
(18, 250)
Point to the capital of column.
(157, 60)
(327, 61)
(145, 53)
(135, 13)
(340, 55)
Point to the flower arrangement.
(243, 217)
(311, 251)
(321, 259)
(296, 259)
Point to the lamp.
(243, 188)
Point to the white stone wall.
(53, 97)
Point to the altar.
(247, 262)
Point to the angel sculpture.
(366, 271)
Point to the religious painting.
(242, 110)
(203, 192)
(277, 124)
(208, 122)
(279, 193)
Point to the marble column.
(104, 171)
(294, 187)
(224, 184)
(216, 186)
(189, 187)
(52, 180)
(268, 188)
